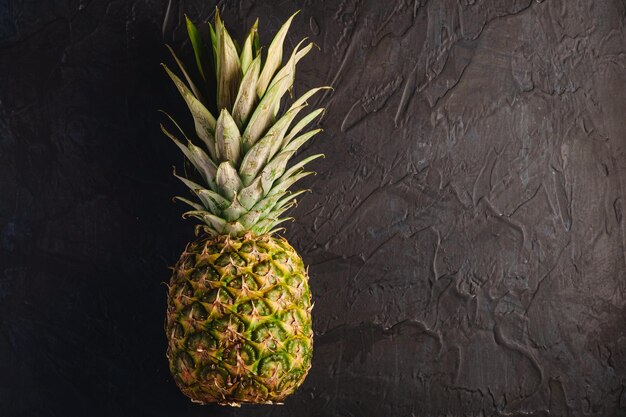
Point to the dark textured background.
(466, 238)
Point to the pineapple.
(239, 306)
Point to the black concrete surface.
(465, 237)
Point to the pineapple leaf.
(190, 203)
(288, 200)
(296, 143)
(192, 85)
(265, 112)
(206, 229)
(284, 183)
(254, 160)
(274, 57)
(274, 170)
(197, 157)
(210, 199)
(279, 129)
(297, 168)
(259, 211)
(199, 50)
(276, 167)
(203, 119)
(229, 73)
(249, 196)
(228, 139)
(264, 149)
(301, 125)
(246, 56)
(235, 210)
(289, 69)
(213, 44)
(268, 224)
(228, 180)
(246, 97)
(213, 200)
(234, 228)
(213, 221)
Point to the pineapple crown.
(241, 157)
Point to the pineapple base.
(239, 320)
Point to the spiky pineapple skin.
(239, 320)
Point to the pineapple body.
(239, 320)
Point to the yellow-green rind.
(239, 320)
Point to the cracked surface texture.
(466, 238)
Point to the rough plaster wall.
(466, 237)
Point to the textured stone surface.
(466, 238)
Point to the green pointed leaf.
(265, 225)
(228, 139)
(199, 50)
(192, 85)
(283, 183)
(190, 203)
(274, 57)
(254, 160)
(234, 228)
(229, 75)
(203, 119)
(279, 129)
(235, 210)
(259, 211)
(274, 170)
(251, 194)
(288, 71)
(190, 184)
(228, 180)
(206, 229)
(264, 114)
(297, 167)
(197, 157)
(247, 56)
(249, 219)
(211, 220)
(288, 200)
(213, 200)
(246, 97)
(296, 143)
(213, 45)
(301, 125)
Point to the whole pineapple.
(239, 305)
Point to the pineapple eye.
(273, 366)
(215, 377)
(184, 361)
(196, 311)
(237, 260)
(239, 354)
(256, 307)
(298, 348)
(200, 342)
(177, 331)
(186, 290)
(250, 391)
(275, 293)
(294, 280)
(280, 257)
(228, 324)
(262, 268)
(247, 247)
(223, 260)
(221, 295)
(205, 272)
